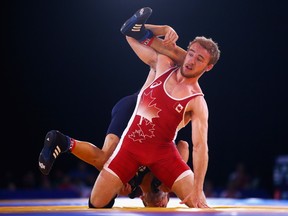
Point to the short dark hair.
(151, 198)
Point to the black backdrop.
(65, 63)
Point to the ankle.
(72, 144)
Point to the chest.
(177, 89)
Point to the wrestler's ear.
(209, 67)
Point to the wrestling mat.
(134, 207)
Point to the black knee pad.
(109, 205)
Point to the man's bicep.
(199, 120)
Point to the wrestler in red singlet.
(149, 137)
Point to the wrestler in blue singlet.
(121, 113)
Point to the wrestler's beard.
(185, 75)
(194, 75)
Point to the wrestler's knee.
(92, 203)
(183, 144)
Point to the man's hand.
(170, 37)
(197, 199)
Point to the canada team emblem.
(178, 107)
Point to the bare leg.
(91, 154)
(105, 189)
(183, 148)
(183, 187)
(110, 143)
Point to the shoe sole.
(129, 24)
(48, 155)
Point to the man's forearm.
(200, 165)
(176, 53)
(158, 30)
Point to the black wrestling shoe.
(55, 143)
(135, 192)
(155, 183)
(136, 181)
(135, 189)
(134, 26)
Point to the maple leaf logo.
(146, 129)
(147, 109)
(137, 135)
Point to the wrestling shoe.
(55, 143)
(134, 26)
(136, 181)
(135, 189)
(155, 183)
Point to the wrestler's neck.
(186, 76)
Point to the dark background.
(65, 64)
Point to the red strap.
(72, 144)
(148, 41)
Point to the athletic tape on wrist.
(148, 41)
